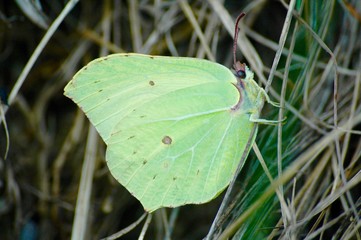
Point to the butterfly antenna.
(236, 30)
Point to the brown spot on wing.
(167, 140)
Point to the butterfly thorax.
(251, 98)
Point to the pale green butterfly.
(175, 127)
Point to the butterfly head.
(242, 72)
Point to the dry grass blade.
(85, 187)
(129, 228)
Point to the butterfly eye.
(241, 74)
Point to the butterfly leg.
(263, 92)
(254, 117)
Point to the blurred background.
(54, 182)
